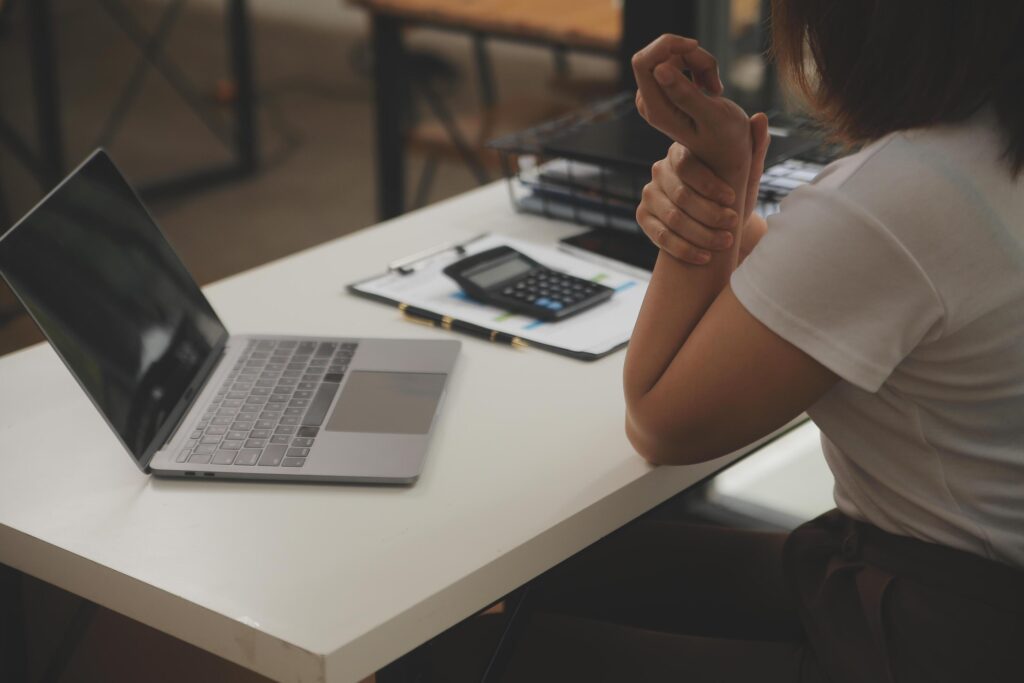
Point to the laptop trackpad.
(387, 402)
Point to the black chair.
(430, 77)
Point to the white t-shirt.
(901, 269)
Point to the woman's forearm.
(721, 135)
(677, 297)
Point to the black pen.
(419, 315)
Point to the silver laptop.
(186, 398)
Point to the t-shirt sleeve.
(833, 281)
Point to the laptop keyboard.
(270, 409)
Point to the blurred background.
(159, 83)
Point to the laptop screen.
(115, 301)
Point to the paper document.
(591, 333)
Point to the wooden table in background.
(584, 25)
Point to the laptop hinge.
(193, 392)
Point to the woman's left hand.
(713, 127)
(685, 208)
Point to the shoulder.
(921, 179)
(942, 197)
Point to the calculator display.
(506, 278)
(491, 274)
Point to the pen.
(419, 315)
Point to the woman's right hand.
(679, 93)
(685, 208)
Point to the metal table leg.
(48, 163)
(245, 103)
(246, 159)
(389, 95)
(44, 84)
(5, 219)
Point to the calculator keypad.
(543, 290)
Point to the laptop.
(186, 398)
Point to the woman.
(886, 300)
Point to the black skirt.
(877, 607)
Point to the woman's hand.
(692, 112)
(685, 208)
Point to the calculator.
(512, 280)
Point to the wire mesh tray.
(577, 190)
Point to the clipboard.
(418, 287)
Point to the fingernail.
(726, 198)
(724, 240)
(703, 257)
(730, 219)
(663, 74)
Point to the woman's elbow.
(679, 445)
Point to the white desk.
(325, 582)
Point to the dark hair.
(878, 66)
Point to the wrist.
(751, 233)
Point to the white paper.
(596, 331)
